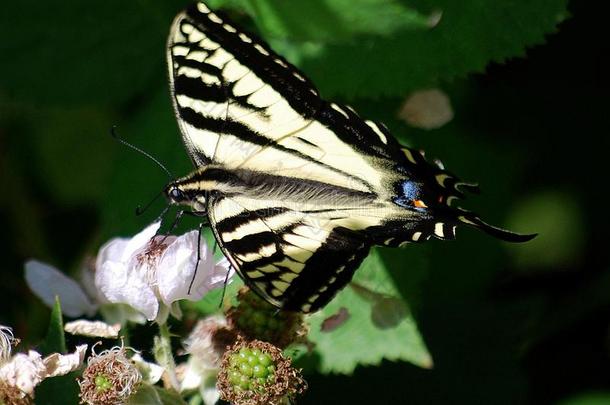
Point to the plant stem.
(163, 355)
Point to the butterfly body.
(296, 189)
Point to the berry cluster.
(257, 373)
(256, 319)
(251, 369)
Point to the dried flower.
(23, 372)
(109, 379)
(7, 340)
(151, 273)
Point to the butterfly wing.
(295, 259)
(241, 105)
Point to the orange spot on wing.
(419, 204)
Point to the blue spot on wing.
(407, 192)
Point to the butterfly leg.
(224, 286)
(201, 225)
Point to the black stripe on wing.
(281, 279)
(327, 271)
(366, 137)
(257, 56)
(247, 134)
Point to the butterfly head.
(175, 194)
(185, 192)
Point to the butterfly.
(296, 189)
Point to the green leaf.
(145, 395)
(136, 179)
(55, 341)
(333, 21)
(61, 390)
(70, 52)
(593, 398)
(379, 326)
(468, 36)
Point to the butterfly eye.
(176, 194)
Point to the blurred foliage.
(504, 324)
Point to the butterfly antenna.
(118, 138)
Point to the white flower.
(151, 272)
(151, 372)
(26, 371)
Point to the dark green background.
(504, 326)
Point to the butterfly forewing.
(241, 105)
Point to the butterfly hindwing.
(295, 260)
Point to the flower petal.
(176, 268)
(209, 392)
(121, 314)
(122, 284)
(140, 240)
(151, 372)
(47, 283)
(100, 329)
(61, 364)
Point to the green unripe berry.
(245, 369)
(264, 359)
(259, 371)
(258, 318)
(244, 383)
(261, 381)
(252, 360)
(234, 377)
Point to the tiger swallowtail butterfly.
(296, 189)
